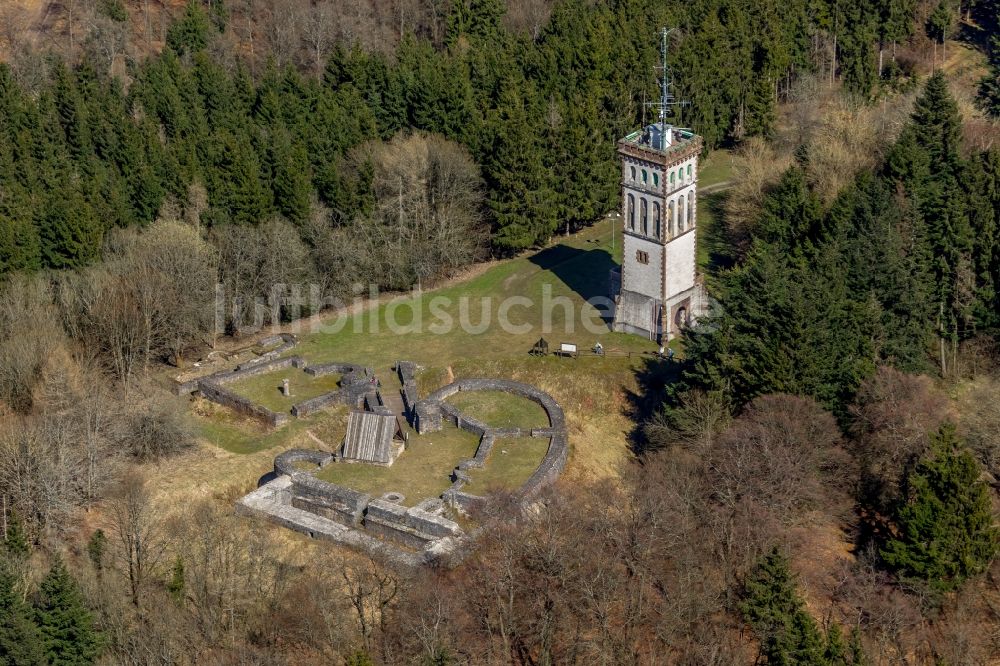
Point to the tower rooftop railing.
(652, 139)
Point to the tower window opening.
(680, 214)
(690, 218)
(670, 219)
(645, 224)
(656, 218)
(631, 212)
(689, 170)
(645, 176)
(632, 172)
(656, 179)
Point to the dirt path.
(717, 187)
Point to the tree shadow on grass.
(715, 236)
(652, 378)
(587, 272)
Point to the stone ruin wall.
(355, 382)
(300, 501)
(411, 527)
(430, 413)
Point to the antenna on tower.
(666, 97)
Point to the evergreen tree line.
(899, 270)
(84, 153)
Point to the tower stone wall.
(659, 277)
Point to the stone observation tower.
(658, 290)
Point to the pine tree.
(191, 32)
(935, 114)
(945, 529)
(96, 548)
(290, 176)
(479, 19)
(175, 586)
(15, 543)
(521, 200)
(70, 233)
(771, 605)
(21, 641)
(66, 625)
(927, 162)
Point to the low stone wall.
(336, 368)
(285, 462)
(285, 342)
(350, 396)
(427, 416)
(433, 411)
(551, 466)
(410, 527)
(464, 501)
(407, 371)
(452, 414)
(272, 502)
(482, 453)
(328, 499)
(223, 396)
(356, 381)
(436, 400)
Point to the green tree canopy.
(67, 627)
(20, 639)
(945, 528)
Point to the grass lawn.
(232, 432)
(465, 319)
(266, 389)
(500, 410)
(422, 471)
(511, 469)
(716, 168)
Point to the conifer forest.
(808, 472)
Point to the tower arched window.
(656, 179)
(631, 212)
(656, 218)
(671, 179)
(670, 218)
(680, 214)
(645, 220)
(645, 176)
(632, 172)
(690, 218)
(689, 170)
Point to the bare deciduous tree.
(371, 588)
(893, 416)
(783, 454)
(427, 220)
(137, 527)
(528, 16)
